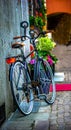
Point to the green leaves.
(39, 21)
(54, 58)
(44, 47)
(45, 44)
(32, 20)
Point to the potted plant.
(45, 47)
(32, 21)
(39, 22)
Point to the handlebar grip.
(47, 31)
(24, 24)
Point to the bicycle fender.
(10, 72)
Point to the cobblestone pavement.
(63, 54)
(60, 117)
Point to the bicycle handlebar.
(24, 24)
(33, 38)
(23, 38)
(32, 33)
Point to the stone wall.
(10, 17)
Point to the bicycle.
(24, 88)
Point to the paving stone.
(53, 122)
(68, 127)
(61, 127)
(53, 127)
(53, 117)
(42, 125)
(63, 116)
(60, 120)
(67, 114)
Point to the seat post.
(23, 57)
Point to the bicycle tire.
(47, 84)
(23, 96)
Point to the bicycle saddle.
(17, 44)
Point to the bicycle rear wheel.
(47, 84)
(21, 88)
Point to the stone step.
(37, 120)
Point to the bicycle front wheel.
(21, 88)
(47, 84)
